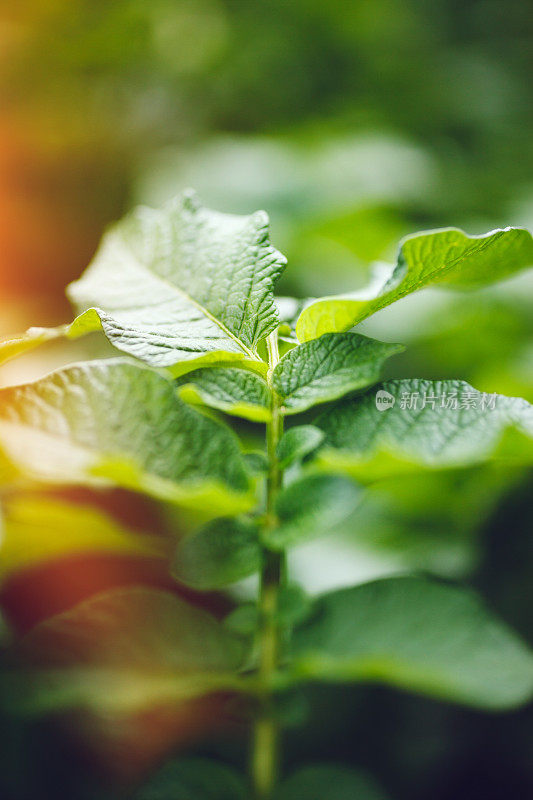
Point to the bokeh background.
(352, 124)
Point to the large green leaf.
(312, 506)
(223, 551)
(447, 256)
(235, 391)
(329, 367)
(194, 779)
(184, 284)
(431, 423)
(124, 650)
(323, 781)
(419, 635)
(115, 421)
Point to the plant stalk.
(265, 744)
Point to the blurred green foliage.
(352, 123)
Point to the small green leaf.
(329, 367)
(194, 779)
(427, 423)
(448, 256)
(323, 781)
(126, 650)
(256, 461)
(235, 391)
(418, 635)
(223, 551)
(310, 507)
(120, 423)
(184, 284)
(293, 605)
(243, 620)
(297, 443)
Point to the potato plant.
(186, 295)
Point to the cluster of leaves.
(187, 294)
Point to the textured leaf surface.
(297, 443)
(222, 552)
(235, 391)
(447, 256)
(184, 283)
(128, 649)
(418, 635)
(430, 423)
(323, 781)
(329, 367)
(312, 506)
(125, 424)
(194, 779)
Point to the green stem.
(265, 745)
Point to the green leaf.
(32, 338)
(322, 781)
(126, 650)
(327, 368)
(256, 461)
(297, 443)
(194, 779)
(184, 284)
(448, 256)
(310, 507)
(223, 551)
(418, 635)
(293, 607)
(115, 422)
(434, 424)
(243, 620)
(89, 322)
(234, 391)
